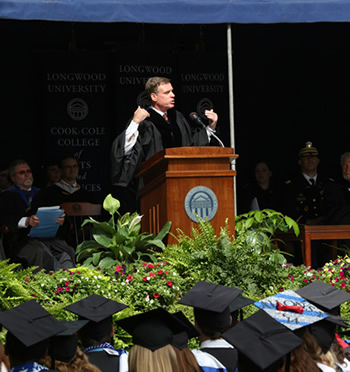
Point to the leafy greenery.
(118, 242)
(248, 260)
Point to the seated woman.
(262, 193)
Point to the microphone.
(195, 117)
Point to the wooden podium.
(177, 180)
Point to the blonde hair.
(79, 363)
(314, 349)
(142, 359)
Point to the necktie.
(312, 181)
(165, 116)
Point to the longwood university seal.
(201, 201)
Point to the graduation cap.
(64, 345)
(30, 323)
(237, 305)
(210, 296)
(239, 302)
(325, 296)
(211, 303)
(153, 329)
(262, 340)
(180, 340)
(291, 310)
(99, 311)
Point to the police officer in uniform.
(304, 194)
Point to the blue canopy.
(178, 11)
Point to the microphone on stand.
(196, 118)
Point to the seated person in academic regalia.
(18, 214)
(29, 327)
(158, 127)
(265, 345)
(67, 188)
(152, 335)
(212, 318)
(186, 359)
(97, 335)
(64, 353)
(328, 299)
(309, 322)
(337, 196)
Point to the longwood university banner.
(77, 113)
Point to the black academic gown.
(44, 253)
(227, 357)
(105, 362)
(337, 203)
(55, 195)
(155, 134)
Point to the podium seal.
(201, 201)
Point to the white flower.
(99, 276)
(98, 286)
(122, 283)
(151, 302)
(147, 298)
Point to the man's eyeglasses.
(23, 172)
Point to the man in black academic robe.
(18, 215)
(337, 196)
(151, 130)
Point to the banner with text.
(77, 113)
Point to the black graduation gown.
(105, 362)
(227, 357)
(151, 139)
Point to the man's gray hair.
(345, 155)
(14, 164)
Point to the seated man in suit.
(18, 214)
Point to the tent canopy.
(178, 11)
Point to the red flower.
(66, 283)
(129, 278)
(33, 295)
(152, 274)
(144, 278)
(67, 289)
(169, 283)
(118, 268)
(343, 284)
(155, 295)
(150, 265)
(144, 264)
(160, 272)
